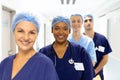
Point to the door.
(8, 44)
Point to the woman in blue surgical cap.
(72, 62)
(26, 64)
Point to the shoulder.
(76, 47)
(7, 60)
(70, 38)
(87, 38)
(79, 50)
(72, 44)
(45, 49)
(99, 35)
(100, 38)
(41, 58)
(3, 62)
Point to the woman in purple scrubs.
(72, 62)
(27, 64)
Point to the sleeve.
(52, 74)
(1, 70)
(89, 70)
(2, 64)
(41, 50)
(107, 47)
(91, 50)
(46, 50)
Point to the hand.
(96, 72)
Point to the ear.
(52, 30)
(69, 31)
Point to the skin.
(60, 32)
(76, 27)
(25, 35)
(88, 25)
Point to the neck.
(89, 33)
(76, 35)
(60, 44)
(25, 54)
(60, 48)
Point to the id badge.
(79, 66)
(101, 48)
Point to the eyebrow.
(87, 20)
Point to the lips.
(25, 43)
(60, 37)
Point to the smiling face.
(25, 35)
(76, 23)
(60, 32)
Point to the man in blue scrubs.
(79, 38)
(72, 62)
(102, 45)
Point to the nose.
(89, 21)
(26, 36)
(61, 31)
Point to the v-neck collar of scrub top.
(23, 69)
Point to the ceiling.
(50, 8)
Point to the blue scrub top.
(75, 71)
(39, 67)
(102, 47)
(88, 44)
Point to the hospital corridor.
(106, 20)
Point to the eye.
(56, 28)
(79, 21)
(90, 20)
(73, 21)
(32, 32)
(66, 28)
(85, 20)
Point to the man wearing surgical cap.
(71, 61)
(79, 38)
(26, 64)
(102, 45)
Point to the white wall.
(114, 31)
(0, 33)
(100, 25)
(111, 13)
(12, 6)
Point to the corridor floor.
(112, 69)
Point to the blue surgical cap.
(77, 15)
(24, 17)
(61, 19)
(88, 15)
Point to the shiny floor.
(112, 69)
